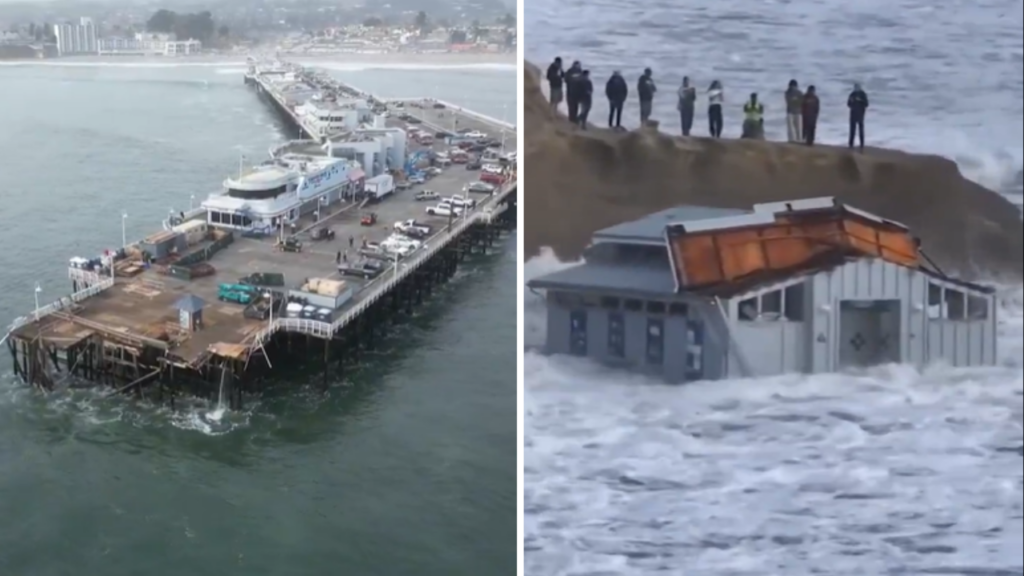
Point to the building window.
(616, 335)
(694, 350)
(786, 303)
(977, 307)
(655, 341)
(655, 307)
(578, 332)
(952, 304)
(633, 305)
(609, 303)
(678, 309)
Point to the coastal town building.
(148, 44)
(80, 38)
(695, 293)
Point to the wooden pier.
(125, 332)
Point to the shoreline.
(392, 59)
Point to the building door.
(869, 333)
(694, 350)
(655, 342)
(578, 332)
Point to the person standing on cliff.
(556, 80)
(858, 103)
(572, 77)
(794, 111)
(809, 109)
(753, 119)
(645, 89)
(716, 97)
(687, 103)
(586, 94)
(617, 91)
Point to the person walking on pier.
(586, 95)
(351, 241)
(617, 91)
(337, 259)
(794, 111)
(556, 81)
(572, 76)
(716, 98)
(646, 88)
(687, 103)
(857, 102)
(810, 108)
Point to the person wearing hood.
(857, 102)
(809, 109)
(617, 91)
(687, 103)
(556, 82)
(716, 98)
(572, 77)
(794, 111)
(645, 90)
(586, 98)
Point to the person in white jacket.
(716, 97)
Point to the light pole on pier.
(191, 202)
(37, 291)
(124, 229)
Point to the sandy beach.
(361, 60)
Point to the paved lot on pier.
(143, 305)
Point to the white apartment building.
(149, 44)
(76, 38)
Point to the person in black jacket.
(556, 77)
(572, 77)
(586, 96)
(617, 91)
(645, 89)
(857, 102)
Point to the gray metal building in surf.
(695, 293)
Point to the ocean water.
(892, 472)
(407, 466)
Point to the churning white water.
(894, 471)
(891, 472)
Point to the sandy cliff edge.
(577, 182)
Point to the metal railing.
(85, 277)
(61, 304)
(391, 278)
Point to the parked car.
(426, 195)
(366, 269)
(479, 187)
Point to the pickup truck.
(461, 202)
(366, 269)
(444, 209)
(412, 228)
(426, 195)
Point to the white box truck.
(379, 187)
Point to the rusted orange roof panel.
(794, 241)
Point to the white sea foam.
(893, 469)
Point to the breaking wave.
(893, 471)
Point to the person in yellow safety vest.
(753, 118)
